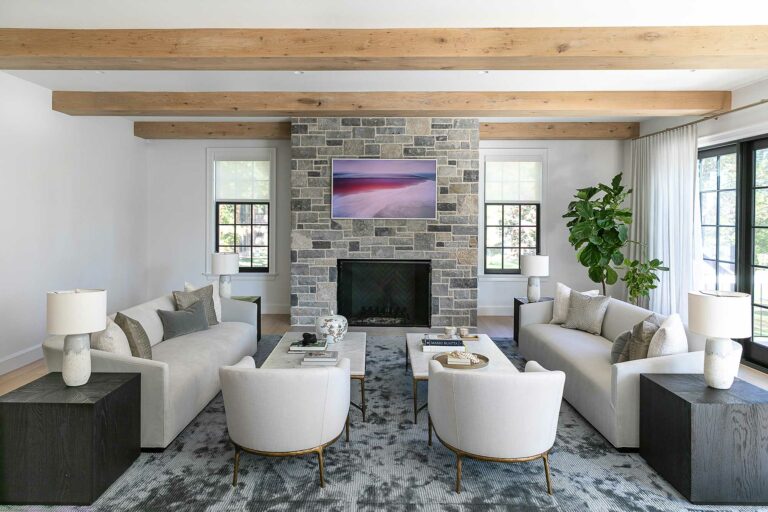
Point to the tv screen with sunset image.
(384, 189)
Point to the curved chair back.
(497, 414)
(284, 410)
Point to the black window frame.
(515, 271)
(216, 210)
(755, 354)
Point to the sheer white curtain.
(666, 214)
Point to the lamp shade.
(534, 265)
(225, 263)
(77, 311)
(720, 314)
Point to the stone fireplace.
(448, 243)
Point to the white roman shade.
(242, 180)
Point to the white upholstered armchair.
(500, 416)
(285, 412)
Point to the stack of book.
(298, 348)
(322, 358)
(441, 343)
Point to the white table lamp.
(720, 316)
(534, 266)
(224, 265)
(76, 314)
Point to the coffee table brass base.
(361, 406)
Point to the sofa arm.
(239, 311)
(155, 394)
(536, 313)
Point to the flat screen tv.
(383, 189)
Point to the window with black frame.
(512, 212)
(733, 188)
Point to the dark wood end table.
(710, 444)
(67, 445)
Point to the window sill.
(507, 278)
(247, 276)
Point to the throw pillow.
(183, 321)
(562, 300)
(618, 345)
(112, 339)
(586, 313)
(204, 295)
(642, 333)
(137, 336)
(669, 339)
(189, 287)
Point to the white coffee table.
(420, 361)
(352, 347)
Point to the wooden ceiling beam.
(711, 47)
(559, 131)
(456, 104)
(211, 130)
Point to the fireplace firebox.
(385, 292)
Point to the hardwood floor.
(494, 326)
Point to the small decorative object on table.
(534, 266)
(458, 360)
(720, 316)
(449, 330)
(77, 313)
(331, 327)
(308, 338)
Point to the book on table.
(297, 348)
(321, 358)
(440, 343)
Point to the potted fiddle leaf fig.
(599, 231)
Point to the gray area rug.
(387, 465)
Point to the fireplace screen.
(385, 292)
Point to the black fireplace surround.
(385, 293)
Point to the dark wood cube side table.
(516, 313)
(256, 300)
(67, 445)
(710, 444)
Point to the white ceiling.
(376, 13)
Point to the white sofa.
(183, 374)
(607, 395)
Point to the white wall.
(73, 209)
(177, 212)
(570, 165)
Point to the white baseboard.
(18, 359)
(495, 310)
(275, 309)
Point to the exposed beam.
(422, 48)
(554, 131)
(459, 104)
(206, 130)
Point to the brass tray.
(443, 360)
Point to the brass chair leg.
(458, 474)
(320, 461)
(546, 471)
(347, 427)
(429, 420)
(237, 465)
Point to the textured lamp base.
(76, 364)
(534, 289)
(721, 362)
(225, 286)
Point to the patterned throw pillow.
(137, 336)
(563, 300)
(586, 313)
(189, 287)
(205, 295)
(112, 339)
(642, 334)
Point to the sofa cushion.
(563, 300)
(112, 339)
(136, 335)
(618, 345)
(193, 366)
(184, 321)
(669, 339)
(205, 295)
(146, 315)
(640, 340)
(586, 313)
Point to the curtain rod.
(706, 118)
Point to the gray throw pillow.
(642, 334)
(137, 336)
(586, 313)
(618, 345)
(205, 295)
(183, 321)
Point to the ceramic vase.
(331, 327)
(721, 362)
